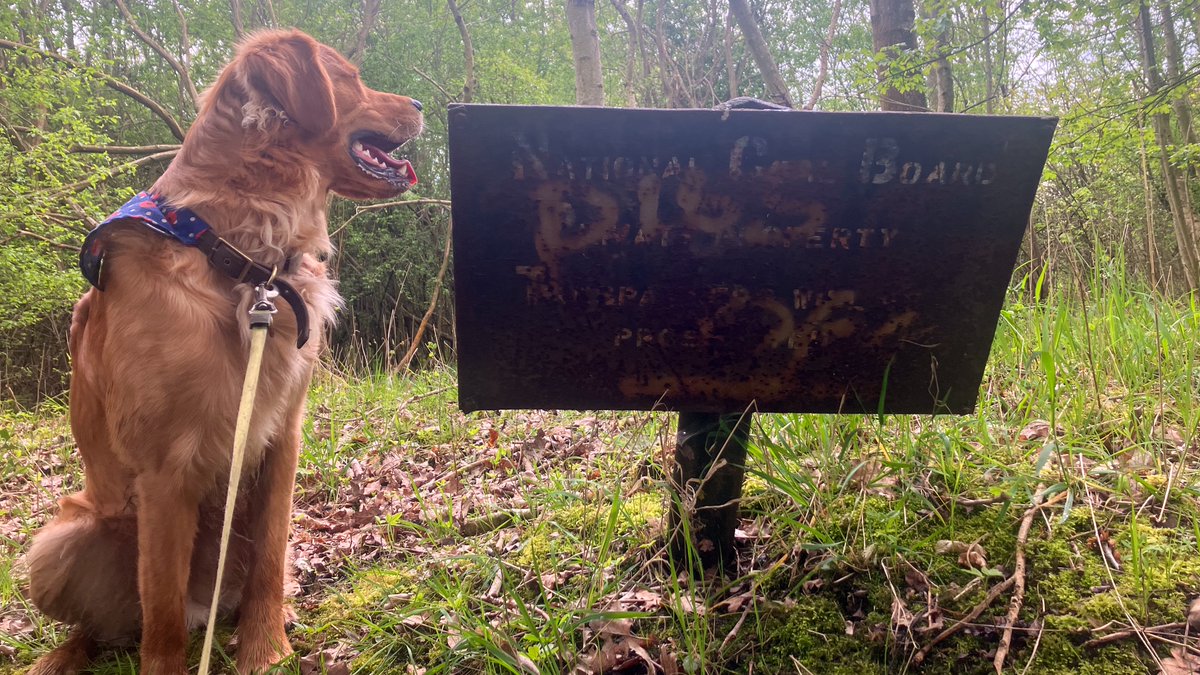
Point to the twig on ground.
(1132, 632)
(736, 627)
(1018, 576)
(492, 521)
(994, 593)
(421, 397)
(466, 468)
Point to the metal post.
(710, 460)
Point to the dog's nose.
(417, 104)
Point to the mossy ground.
(509, 542)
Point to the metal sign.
(717, 261)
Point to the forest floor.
(426, 540)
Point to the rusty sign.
(709, 261)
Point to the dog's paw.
(256, 654)
(69, 658)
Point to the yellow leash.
(260, 321)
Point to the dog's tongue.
(404, 166)
(401, 166)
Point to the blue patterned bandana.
(182, 225)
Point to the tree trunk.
(585, 46)
(1180, 105)
(777, 91)
(892, 32)
(941, 79)
(235, 17)
(1177, 195)
(727, 54)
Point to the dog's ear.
(286, 69)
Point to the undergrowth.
(429, 541)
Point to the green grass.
(532, 541)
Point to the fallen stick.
(1130, 632)
(1018, 576)
(994, 593)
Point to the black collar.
(188, 229)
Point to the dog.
(159, 356)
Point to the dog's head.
(301, 107)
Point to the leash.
(260, 321)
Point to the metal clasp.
(263, 307)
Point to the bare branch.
(265, 9)
(370, 14)
(437, 290)
(776, 89)
(47, 240)
(185, 78)
(110, 81)
(114, 171)
(359, 210)
(631, 58)
(823, 70)
(430, 80)
(235, 17)
(126, 149)
(469, 83)
(15, 133)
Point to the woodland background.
(95, 95)
(1055, 531)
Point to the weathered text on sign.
(709, 261)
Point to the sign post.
(719, 263)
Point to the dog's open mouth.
(372, 154)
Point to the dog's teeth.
(358, 146)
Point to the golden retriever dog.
(159, 356)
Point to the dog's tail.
(79, 319)
(83, 570)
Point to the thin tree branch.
(777, 90)
(47, 240)
(185, 49)
(437, 290)
(370, 14)
(184, 77)
(235, 17)
(358, 211)
(631, 57)
(469, 83)
(110, 81)
(113, 171)
(1135, 631)
(16, 135)
(125, 149)
(823, 70)
(430, 80)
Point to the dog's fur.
(159, 355)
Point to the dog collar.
(185, 227)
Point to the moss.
(571, 530)
(1058, 654)
(812, 633)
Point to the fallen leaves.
(971, 556)
(612, 647)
